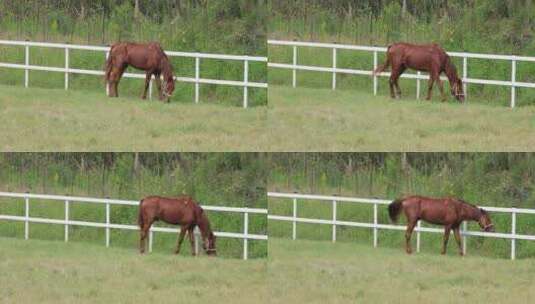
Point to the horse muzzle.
(489, 228)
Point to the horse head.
(169, 86)
(209, 245)
(457, 89)
(484, 221)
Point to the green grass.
(316, 272)
(323, 120)
(53, 272)
(37, 119)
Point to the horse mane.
(202, 222)
(450, 69)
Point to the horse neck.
(451, 71)
(472, 213)
(166, 68)
(204, 226)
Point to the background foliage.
(226, 179)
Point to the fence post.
(375, 222)
(513, 80)
(513, 232)
(334, 69)
(27, 63)
(294, 71)
(418, 85)
(375, 76)
(27, 216)
(107, 224)
(66, 68)
(465, 75)
(150, 88)
(197, 76)
(107, 83)
(151, 236)
(196, 240)
(294, 223)
(66, 221)
(245, 234)
(334, 222)
(418, 236)
(465, 224)
(245, 82)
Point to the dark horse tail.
(382, 67)
(394, 209)
(140, 215)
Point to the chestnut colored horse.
(449, 212)
(149, 57)
(183, 211)
(428, 58)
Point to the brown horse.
(149, 57)
(429, 58)
(448, 212)
(183, 211)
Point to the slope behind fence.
(375, 225)
(294, 66)
(197, 80)
(107, 224)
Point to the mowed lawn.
(305, 119)
(55, 272)
(37, 119)
(323, 272)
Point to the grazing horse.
(149, 57)
(449, 212)
(183, 211)
(428, 58)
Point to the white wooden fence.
(375, 203)
(197, 80)
(294, 66)
(107, 224)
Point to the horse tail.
(382, 67)
(140, 215)
(109, 64)
(394, 209)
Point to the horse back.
(177, 210)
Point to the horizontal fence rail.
(197, 80)
(294, 66)
(334, 200)
(27, 219)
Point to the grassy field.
(53, 272)
(57, 120)
(323, 120)
(319, 272)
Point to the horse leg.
(147, 82)
(159, 86)
(457, 235)
(191, 235)
(441, 87)
(408, 234)
(401, 70)
(183, 230)
(430, 88)
(143, 235)
(447, 230)
(117, 79)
